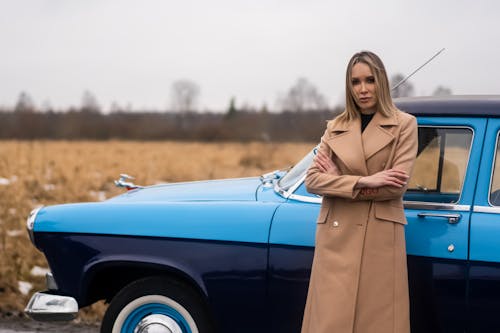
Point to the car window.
(441, 163)
(495, 179)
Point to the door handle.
(452, 218)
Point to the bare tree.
(89, 103)
(442, 91)
(24, 103)
(302, 96)
(406, 89)
(184, 94)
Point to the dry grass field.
(45, 173)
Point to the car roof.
(470, 106)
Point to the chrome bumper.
(48, 307)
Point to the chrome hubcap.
(157, 323)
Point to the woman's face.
(364, 88)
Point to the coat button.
(335, 223)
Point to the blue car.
(235, 255)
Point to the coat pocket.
(390, 212)
(323, 214)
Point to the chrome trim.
(452, 218)
(122, 182)
(297, 197)
(305, 198)
(268, 179)
(158, 323)
(293, 188)
(470, 149)
(435, 206)
(48, 307)
(50, 282)
(287, 193)
(487, 209)
(281, 191)
(30, 223)
(493, 169)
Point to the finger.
(320, 153)
(394, 185)
(327, 165)
(321, 165)
(318, 165)
(399, 174)
(323, 158)
(318, 160)
(394, 180)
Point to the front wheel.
(156, 305)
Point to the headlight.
(30, 223)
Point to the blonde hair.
(384, 100)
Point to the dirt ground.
(18, 324)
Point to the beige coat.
(359, 279)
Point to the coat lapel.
(345, 141)
(377, 134)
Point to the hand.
(325, 164)
(391, 177)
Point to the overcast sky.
(130, 51)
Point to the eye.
(370, 79)
(355, 82)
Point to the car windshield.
(298, 170)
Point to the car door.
(438, 209)
(484, 271)
(437, 205)
(291, 249)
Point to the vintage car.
(235, 255)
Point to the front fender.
(104, 278)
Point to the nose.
(363, 87)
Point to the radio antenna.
(416, 70)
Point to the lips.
(365, 99)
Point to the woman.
(359, 277)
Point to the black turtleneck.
(365, 119)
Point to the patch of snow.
(24, 287)
(15, 233)
(100, 195)
(8, 181)
(39, 271)
(49, 187)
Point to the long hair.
(382, 90)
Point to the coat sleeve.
(404, 159)
(327, 184)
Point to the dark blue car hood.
(241, 189)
